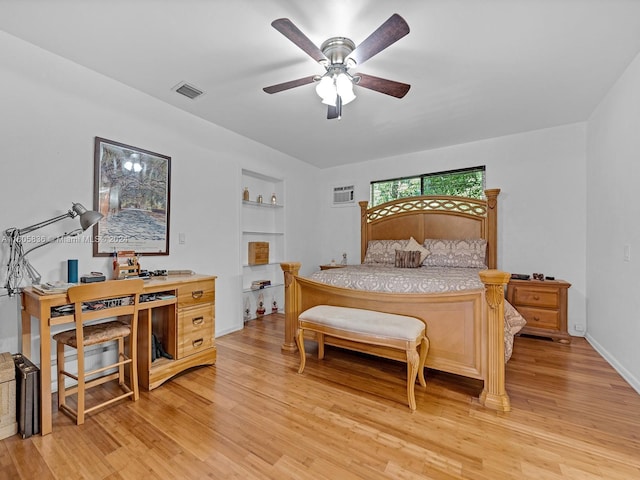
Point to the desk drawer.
(536, 297)
(196, 293)
(196, 330)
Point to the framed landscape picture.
(132, 191)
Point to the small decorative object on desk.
(259, 199)
(538, 276)
(245, 194)
(274, 306)
(274, 200)
(344, 259)
(260, 310)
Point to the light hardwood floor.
(253, 417)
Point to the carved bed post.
(291, 302)
(494, 394)
(492, 226)
(364, 231)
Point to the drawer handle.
(197, 343)
(197, 294)
(536, 297)
(197, 320)
(537, 319)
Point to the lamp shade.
(344, 87)
(88, 218)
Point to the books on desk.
(51, 288)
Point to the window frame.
(422, 177)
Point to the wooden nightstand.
(543, 304)
(329, 266)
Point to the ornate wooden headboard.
(433, 216)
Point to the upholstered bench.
(374, 328)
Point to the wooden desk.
(184, 321)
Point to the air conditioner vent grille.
(189, 91)
(344, 195)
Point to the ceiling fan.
(337, 55)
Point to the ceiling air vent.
(343, 195)
(188, 91)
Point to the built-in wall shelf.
(258, 290)
(261, 204)
(262, 221)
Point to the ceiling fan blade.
(293, 33)
(287, 85)
(335, 111)
(388, 33)
(382, 85)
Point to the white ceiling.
(477, 68)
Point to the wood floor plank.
(252, 416)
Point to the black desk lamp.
(18, 264)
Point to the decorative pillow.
(383, 251)
(413, 246)
(456, 253)
(408, 258)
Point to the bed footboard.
(466, 329)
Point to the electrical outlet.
(627, 253)
(579, 328)
(182, 238)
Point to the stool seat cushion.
(369, 322)
(96, 333)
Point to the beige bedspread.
(387, 278)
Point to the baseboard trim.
(626, 375)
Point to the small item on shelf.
(520, 276)
(538, 276)
(247, 309)
(245, 194)
(260, 310)
(274, 306)
(259, 199)
(333, 261)
(274, 200)
(259, 284)
(258, 253)
(344, 259)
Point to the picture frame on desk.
(132, 190)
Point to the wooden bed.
(465, 329)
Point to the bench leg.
(320, 339)
(424, 349)
(300, 342)
(413, 361)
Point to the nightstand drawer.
(539, 318)
(536, 297)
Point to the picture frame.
(132, 189)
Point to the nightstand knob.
(536, 297)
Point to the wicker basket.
(8, 424)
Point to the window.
(465, 182)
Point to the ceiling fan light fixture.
(333, 85)
(344, 88)
(326, 90)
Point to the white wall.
(51, 111)
(542, 213)
(613, 221)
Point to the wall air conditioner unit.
(344, 196)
